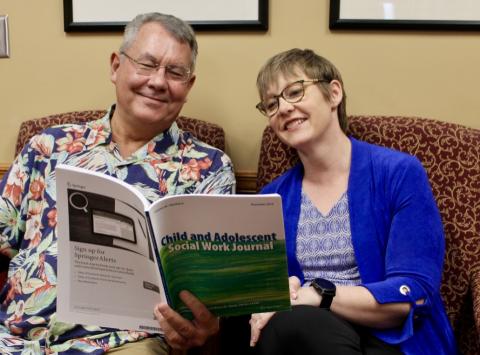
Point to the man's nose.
(158, 78)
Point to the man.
(137, 141)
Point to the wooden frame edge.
(337, 23)
(260, 24)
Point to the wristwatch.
(326, 289)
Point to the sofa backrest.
(208, 132)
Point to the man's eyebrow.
(148, 56)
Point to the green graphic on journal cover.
(229, 278)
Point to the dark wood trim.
(3, 168)
(246, 180)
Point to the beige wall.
(430, 74)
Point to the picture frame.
(4, 47)
(205, 15)
(443, 15)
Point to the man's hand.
(182, 333)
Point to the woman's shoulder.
(285, 179)
(383, 156)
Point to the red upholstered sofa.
(451, 155)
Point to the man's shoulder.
(56, 132)
(200, 145)
(64, 127)
(62, 136)
(190, 137)
(77, 127)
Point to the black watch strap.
(326, 289)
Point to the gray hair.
(178, 28)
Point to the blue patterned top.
(173, 162)
(324, 243)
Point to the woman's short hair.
(290, 62)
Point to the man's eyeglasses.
(172, 72)
(291, 93)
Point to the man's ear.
(188, 86)
(114, 65)
(191, 81)
(336, 92)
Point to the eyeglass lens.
(172, 72)
(292, 93)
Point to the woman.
(365, 242)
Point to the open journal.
(119, 255)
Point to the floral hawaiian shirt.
(173, 162)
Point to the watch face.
(325, 285)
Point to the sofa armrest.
(475, 284)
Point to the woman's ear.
(336, 92)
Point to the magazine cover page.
(228, 250)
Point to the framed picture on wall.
(204, 15)
(405, 14)
(4, 50)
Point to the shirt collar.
(100, 133)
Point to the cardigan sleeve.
(414, 244)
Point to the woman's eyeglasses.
(292, 93)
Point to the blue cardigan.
(397, 237)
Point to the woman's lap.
(312, 330)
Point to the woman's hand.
(294, 285)
(307, 296)
(182, 333)
(257, 322)
(302, 295)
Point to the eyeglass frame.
(156, 67)
(260, 108)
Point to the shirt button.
(404, 290)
